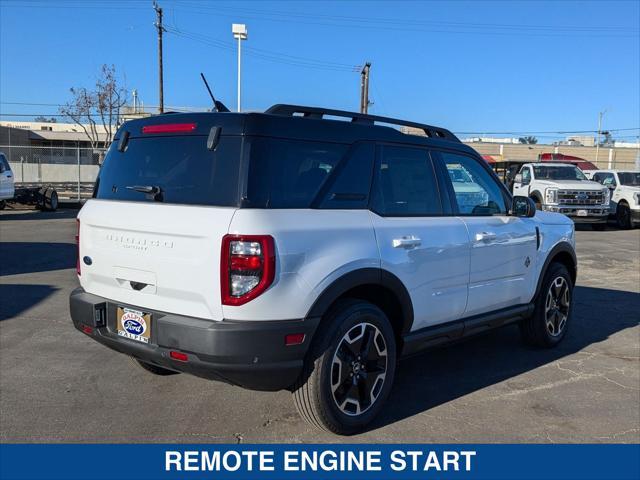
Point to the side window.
(350, 189)
(597, 177)
(476, 191)
(4, 165)
(608, 180)
(526, 175)
(405, 183)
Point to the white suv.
(286, 250)
(625, 194)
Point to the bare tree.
(92, 109)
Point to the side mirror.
(523, 207)
(518, 178)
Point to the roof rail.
(319, 113)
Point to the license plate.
(134, 324)
(582, 213)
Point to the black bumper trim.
(250, 354)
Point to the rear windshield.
(173, 169)
(289, 173)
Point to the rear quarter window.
(289, 173)
(185, 171)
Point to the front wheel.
(623, 216)
(547, 325)
(351, 370)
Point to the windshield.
(556, 172)
(631, 179)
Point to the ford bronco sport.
(289, 250)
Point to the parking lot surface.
(57, 385)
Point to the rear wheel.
(548, 324)
(623, 216)
(51, 201)
(351, 371)
(156, 370)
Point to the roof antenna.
(217, 106)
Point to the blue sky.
(469, 66)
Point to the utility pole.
(364, 88)
(160, 28)
(600, 115)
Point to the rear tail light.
(78, 246)
(247, 267)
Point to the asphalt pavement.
(57, 385)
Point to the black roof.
(304, 123)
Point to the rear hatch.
(152, 235)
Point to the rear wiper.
(152, 191)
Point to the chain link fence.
(71, 170)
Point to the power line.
(263, 54)
(176, 108)
(413, 25)
(478, 133)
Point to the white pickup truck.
(625, 195)
(563, 188)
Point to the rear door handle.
(408, 241)
(485, 237)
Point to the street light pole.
(239, 31)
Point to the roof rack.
(319, 113)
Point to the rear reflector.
(87, 329)
(169, 128)
(294, 339)
(181, 357)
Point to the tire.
(2, 204)
(156, 370)
(623, 216)
(548, 324)
(51, 201)
(599, 227)
(328, 396)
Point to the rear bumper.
(250, 354)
